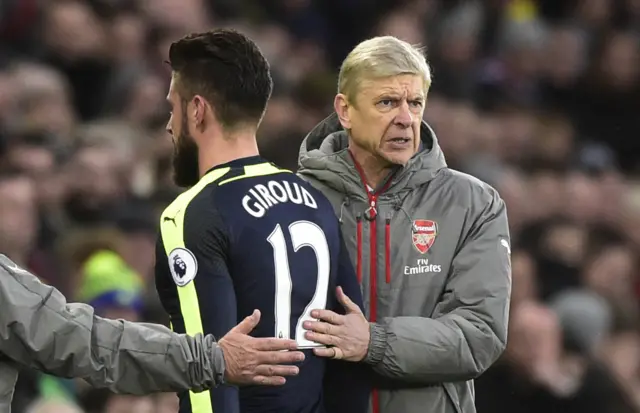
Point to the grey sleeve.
(39, 329)
(469, 329)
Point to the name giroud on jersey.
(263, 196)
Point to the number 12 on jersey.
(303, 234)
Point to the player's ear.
(341, 106)
(198, 110)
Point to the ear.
(341, 106)
(198, 110)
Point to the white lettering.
(421, 228)
(308, 199)
(422, 267)
(266, 195)
(297, 199)
(278, 191)
(255, 210)
(261, 197)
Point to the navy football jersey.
(250, 235)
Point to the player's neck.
(236, 146)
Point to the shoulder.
(326, 198)
(309, 187)
(193, 216)
(191, 204)
(468, 189)
(333, 196)
(195, 199)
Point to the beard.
(186, 169)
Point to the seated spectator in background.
(110, 286)
(620, 352)
(549, 365)
(45, 94)
(138, 223)
(78, 245)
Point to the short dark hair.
(226, 68)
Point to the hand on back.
(262, 361)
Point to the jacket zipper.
(387, 250)
(371, 215)
(373, 255)
(359, 247)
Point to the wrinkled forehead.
(402, 86)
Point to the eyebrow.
(395, 95)
(388, 92)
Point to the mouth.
(399, 143)
(400, 140)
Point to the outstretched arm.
(39, 329)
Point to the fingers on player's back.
(274, 344)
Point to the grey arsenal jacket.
(39, 329)
(432, 252)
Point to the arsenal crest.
(424, 234)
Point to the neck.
(375, 169)
(236, 146)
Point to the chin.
(400, 159)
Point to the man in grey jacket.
(39, 329)
(430, 244)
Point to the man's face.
(386, 116)
(186, 171)
(72, 29)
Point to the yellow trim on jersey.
(172, 232)
(261, 169)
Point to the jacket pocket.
(452, 394)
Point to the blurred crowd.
(539, 98)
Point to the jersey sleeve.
(347, 385)
(196, 288)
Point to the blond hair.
(380, 57)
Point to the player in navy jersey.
(246, 234)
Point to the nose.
(404, 117)
(168, 127)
